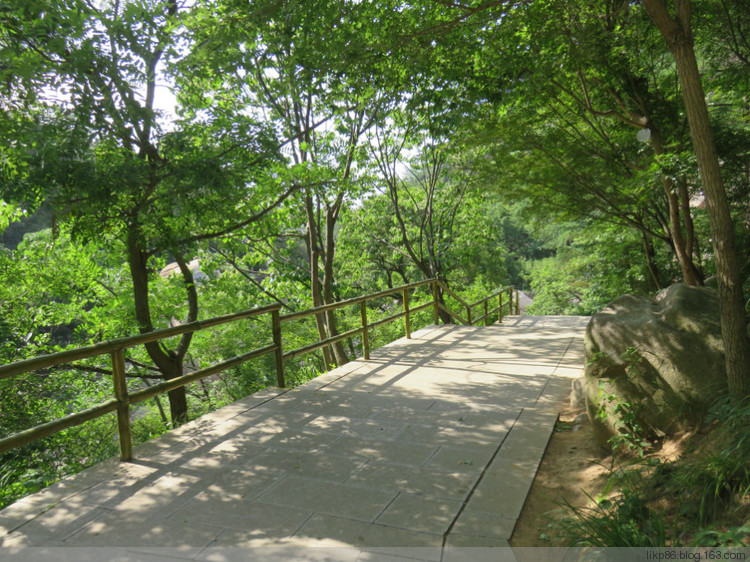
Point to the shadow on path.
(431, 444)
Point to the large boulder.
(653, 364)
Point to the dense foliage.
(306, 152)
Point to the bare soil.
(574, 467)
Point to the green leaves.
(9, 213)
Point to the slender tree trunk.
(682, 249)
(650, 253)
(445, 318)
(313, 252)
(676, 32)
(691, 241)
(683, 252)
(330, 249)
(424, 263)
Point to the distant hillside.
(13, 235)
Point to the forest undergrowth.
(691, 489)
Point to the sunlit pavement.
(427, 448)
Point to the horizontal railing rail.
(512, 302)
(123, 399)
(108, 346)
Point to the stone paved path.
(429, 447)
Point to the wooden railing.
(116, 349)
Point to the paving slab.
(242, 515)
(328, 466)
(426, 451)
(425, 481)
(419, 513)
(458, 459)
(396, 452)
(331, 498)
(334, 531)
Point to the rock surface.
(653, 363)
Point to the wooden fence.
(122, 399)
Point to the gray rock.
(578, 393)
(524, 301)
(653, 364)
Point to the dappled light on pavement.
(432, 443)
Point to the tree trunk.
(444, 316)
(168, 363)
(178, 407)
(650, 253)
(683, 252)
(682, 249)
(330, 248)
(691, 241)
(313, 252)
(676, 32)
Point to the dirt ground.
(573, 465)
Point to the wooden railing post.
(123, 409)
(365, 330)
(486, 313)
(435, 314)
(407, 320)
(468, 315)
(518, 308)
(279, 353)
(500, 309)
